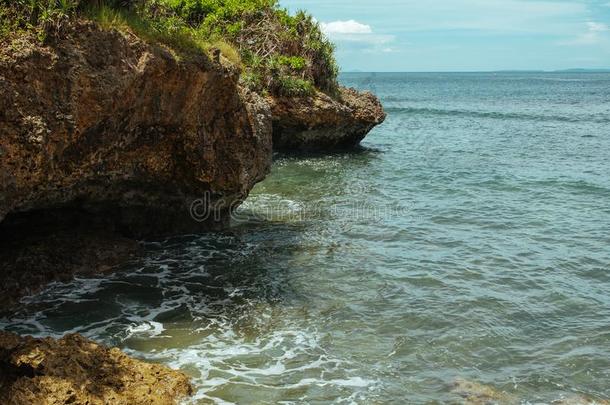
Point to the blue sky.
(464, 35)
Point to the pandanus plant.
(116, 3)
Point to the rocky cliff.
(102, 122)
(104, 139)
(322, 123)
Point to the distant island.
(574, 70)
(583, 71)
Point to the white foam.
(149, 328)
(228, 336)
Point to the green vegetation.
(279, 53)
(35, 15)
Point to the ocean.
(462, 252)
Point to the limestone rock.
(75, 370)
(106, 123)
(322, 123)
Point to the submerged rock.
(321, 123)
(474, 393)
(75, 370)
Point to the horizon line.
(574, 70)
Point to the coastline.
(192, 209)
(118, 158)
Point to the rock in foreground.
(74, 370)
(322, 123)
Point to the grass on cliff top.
(279, 53)
(175, 36)
(110, 18)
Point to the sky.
(464, 35)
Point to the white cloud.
(355, 34)
(345, 27)
(597, 27)
(594, 33)
(545, 17)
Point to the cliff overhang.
(105, 138)
(324, 123)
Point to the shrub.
(7, 24)
(266, 36)
(38, 16)
(228, 51)
(292, 86)
(279, 52)
(170, 31)
(252, 81)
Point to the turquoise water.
(468, 239)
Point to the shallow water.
(469, 238)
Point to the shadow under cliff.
(40, 247)
(354, 151)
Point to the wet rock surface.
(75, 370)
(576, 399)
(474, 393)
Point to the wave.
(498, 115)
(572, 186)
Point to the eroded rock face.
(105, 123)
(321, 123)
(75, 370)
(105, 138)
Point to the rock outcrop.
(105, 123)
(105, 138)
(322, 123)
(75, 370)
